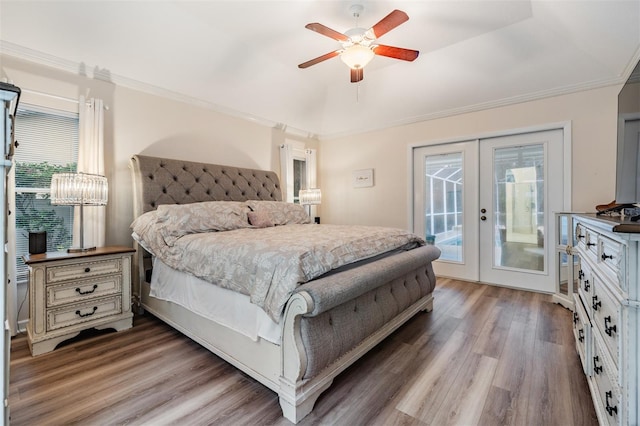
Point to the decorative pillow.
(260, 219)
(209, 216)
(280, 212)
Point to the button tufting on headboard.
(164, 181)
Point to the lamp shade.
(357, 56)
(310, 196)
(75, 189)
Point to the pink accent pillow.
(260, 219)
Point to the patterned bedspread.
(269, 263)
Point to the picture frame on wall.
(363, 178)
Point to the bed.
(324, 324)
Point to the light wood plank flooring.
(485, 355)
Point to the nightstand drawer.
(83, 312)
(83, 270)
(79, 291)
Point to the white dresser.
(606, 314)
(71, 292)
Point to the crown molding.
(560, 91)
(97, 73)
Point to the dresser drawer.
(607, 397)
(606, 318)
(585, 282)
(591, 244)
(82, 290)
(580, 236)
(80, 313)
(83, 270)
(582, 334)
(611, 254)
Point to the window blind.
(48, 143)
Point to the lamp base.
(80, 249)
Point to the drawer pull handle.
(95, 286)
(87, 269)
(606, 256)
(575, 317)
(581, 335)
(596, 368)
(88, 314)
(596, 303)
(591, 244)
(607, 329)
(586, 285)
(610, 409)
(580, 236)
(580, 274)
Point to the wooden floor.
(485, 355)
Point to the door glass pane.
(519, 236)
(443, 204)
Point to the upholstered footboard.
(331, 322)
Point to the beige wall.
(138, 122)
(592, 115)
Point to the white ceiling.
(241, 57)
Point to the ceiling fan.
(358, 44)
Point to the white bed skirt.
(225, 307)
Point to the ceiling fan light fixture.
(357, 56)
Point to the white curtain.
(90, 160)
(286, 171)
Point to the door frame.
(565, 126)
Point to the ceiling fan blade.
(357, 75)
(389, 22)
(326, 31)
(319, 59)
(396, 52)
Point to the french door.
(489, 203)
(444, 197)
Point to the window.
(298, 169)
(48, 143)
(299, 177)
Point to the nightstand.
(71, 292)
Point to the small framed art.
(363, 178)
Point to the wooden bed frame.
(328, 323)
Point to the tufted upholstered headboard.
(159, 181)
(165, 181)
